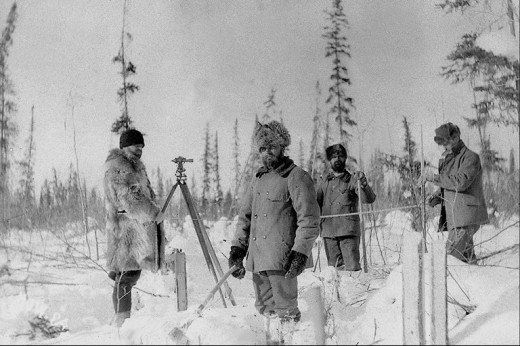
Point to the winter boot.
(120, 318)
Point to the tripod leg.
(199, 226)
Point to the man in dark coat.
(337, 193)
(131, 220)
(277, 226)
(459, 177)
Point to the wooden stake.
(180, 280)
(362, 229)
(439, 313)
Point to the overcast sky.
(213, 62)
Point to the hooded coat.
(131, 211)
(279, 213)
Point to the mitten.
(294, 264)
(236, 257)
(433, 200)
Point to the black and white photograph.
(259, 172)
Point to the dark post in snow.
(180, 280)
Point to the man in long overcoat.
(337, 194)
(131, 216)
(459, 177)
(277, 226)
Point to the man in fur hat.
(337, 193)
(131, 219)
(460, 194)
(277, 226)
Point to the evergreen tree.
(512, 166)
(338, 49)
(27, 193)
(206, 167)
(219, 195)
(7, 110)
(269, 106)
(128, 69)
(160, 185)
(236, 159)
(46, 199)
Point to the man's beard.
(271, 161)
(338, 166)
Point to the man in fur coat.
(277, 226)
(131, 219)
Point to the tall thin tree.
(338, 49)
(219, 195)
(26, 183)
(128, 69)
(7, 110)
(206, 166)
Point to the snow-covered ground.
(47, 276)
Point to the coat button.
(265, 215)
(265, 237)
(256, 216)
(267, 193)
(254, 238)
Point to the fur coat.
(131, 211)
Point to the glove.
(236, 257)
(294, 264)
(361, 177)
(433, 200)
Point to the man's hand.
(358, 175)
(159, 217)
(294, 264)
(434, 199)
(427, 175)
(236, 257)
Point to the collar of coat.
(345, 176)
(283, 169)
(119, 158)
(455, 150)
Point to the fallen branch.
(494, 253)
(496, 235)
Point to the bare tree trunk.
(81, 196)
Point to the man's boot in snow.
(120, 318)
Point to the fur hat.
(130, 137)
(272, 133)
(335, 148)
(445, 132)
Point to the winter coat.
(461, 196)
(339, 195)
(131, 211)
(279, 214)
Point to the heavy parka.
(279, 213)
(131, 211)
(336, 196)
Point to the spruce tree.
(8, 128)
(218, 194)
(128, 69)
(338, 49)
(26, 182)
(206, 167)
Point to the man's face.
(448, 144)
(134, 151)
(271, 154)
(337, 162)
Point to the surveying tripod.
(207, 249)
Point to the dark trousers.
(276, 294)
(343, 252)
(122, 293)
(460, 243)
